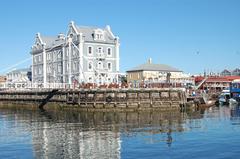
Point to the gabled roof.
(236, 70)
(88, 34)
(225, 71)
(20, 70)
(154, 67)
(51, 41)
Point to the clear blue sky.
(191, 35)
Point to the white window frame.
(35, 58)
(90, 79)
(49, 56)
(35, 71)
(39, 58)
(59, 54)
(59, 68)
(40, 70)
(99, 65)
(100, 48)
(75, 65)
(109, 48)
(89, 50)
(67, 53)
(49, 69)
(67, 67)
(90, 69)
(109, 69)
(99, 35)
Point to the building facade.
(235, 72)
(215, 83)
(19, 76)
(84, 55)
(3, 79)
(149, 73)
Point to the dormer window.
(98, 34)
(99, 37)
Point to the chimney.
(150, 60)
(61, 36)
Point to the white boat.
(224, 97)
(233, 101)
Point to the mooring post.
(94, 99)
(127, 98)
(138, 98)
(115, 98)
(67, 97)
(104, 98)
(151, 100)
(79, 96)
(86, 97)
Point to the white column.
(44, 67)
(81, 69)
(63, 64)
(70, 60)
(33, 75)
(117, 56)
(117, 53)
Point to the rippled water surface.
(211, 133)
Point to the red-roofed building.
(215, 83)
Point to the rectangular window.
(39, 58)
(109, 52)
(59, 55)
(59, 68)
(90, 50)
(39, 70)
(67, 66)
(100, 50)
(35, 71)
(90, 66)
(67, 53)
(49, 69)
(75, 65)
(109, 66)
(35, 59)
(49, 56)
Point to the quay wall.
(96, 99)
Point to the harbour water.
(210, 133)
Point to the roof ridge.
(87, 27)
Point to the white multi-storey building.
(85, 54)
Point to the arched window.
(109, 52)
(90, 50)
(109, 66)
(100, 50)
(100, 65)
(90, 80)
(90, 66)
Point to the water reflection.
(235, 115)
(73, 134)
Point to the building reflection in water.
(235, 115)
(67, 135)
(72, 134)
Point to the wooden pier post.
(151, 99)
(127, 98)
(138, 98)
(79, 98)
